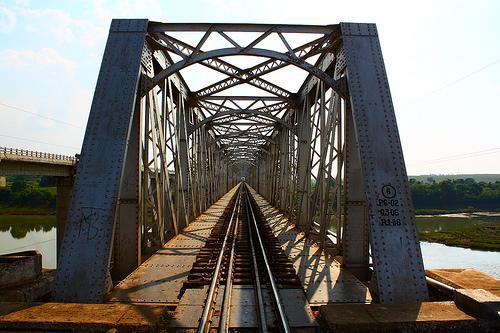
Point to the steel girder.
(165, 153)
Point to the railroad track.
(242, 252)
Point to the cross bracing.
(302, 113)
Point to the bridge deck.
(159, 279)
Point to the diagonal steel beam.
(234, 72)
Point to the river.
(41, 236)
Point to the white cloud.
(150, 9)
(7, 19)
(42, 57)
(62, 26)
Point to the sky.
(442, 59)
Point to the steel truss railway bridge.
(246, 154)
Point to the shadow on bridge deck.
(159, 279)
(322, 277)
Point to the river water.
(435, 255)
(41, 240)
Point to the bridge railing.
(36, 154)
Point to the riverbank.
(480, 231)
(474, 230)
(10, 210)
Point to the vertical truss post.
(83, 266)
(395, 247)
(271, 175)
(196, 173)
(304, 168)
(263, 175)
(182, 197)
(127, 246)
(355, 235)
(284, 174)
(206, 178)
(227, 178)
(257, 176)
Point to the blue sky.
(442, 59)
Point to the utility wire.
(466, 76)
(30, 245)
(457, 80)
(40, 115)
(36, 141)
(464, 155)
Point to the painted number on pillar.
(388, 207)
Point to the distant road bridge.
(276, 173)
(60, 169)
(33, 163)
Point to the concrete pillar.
(64, 189)
(284, 170)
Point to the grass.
(24, 210)
(481, 233)
(477, 177)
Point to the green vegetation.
(27, 195)
(487, 178)
(475, 232)
(454, 195)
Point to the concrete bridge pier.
(64, 190)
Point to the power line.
(40, 115)
(465, 76)
(457, 80)
(31, 245)
(464, 155)
(36, 141)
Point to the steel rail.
(207, 311)
(226, 303)
(258, 289)
(274, 287)
(440, 286)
